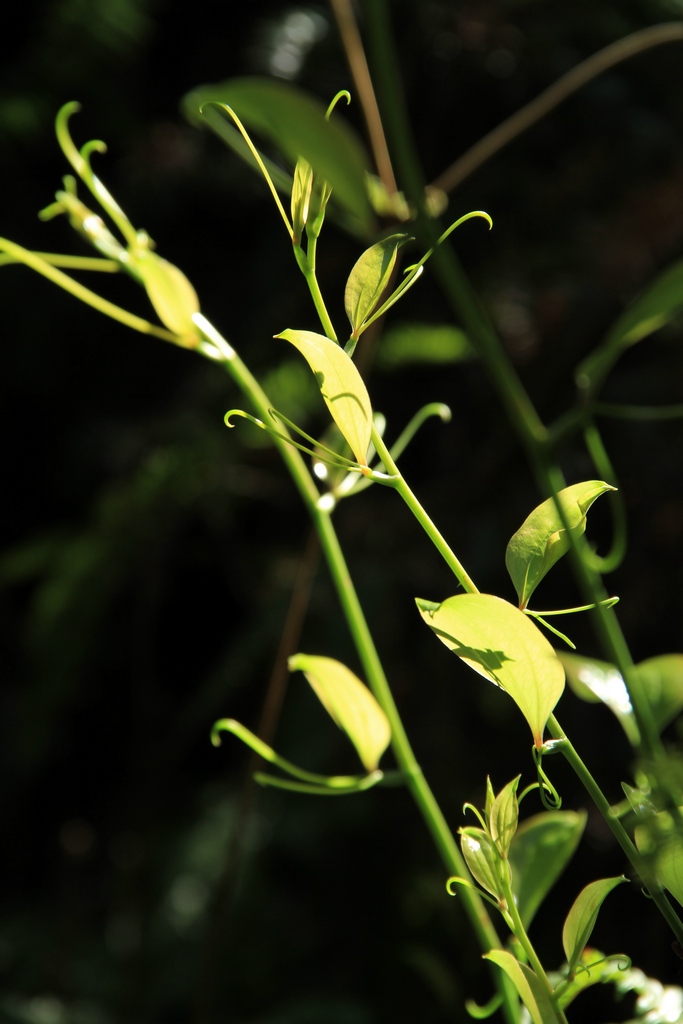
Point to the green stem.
(218, 349)
(266, 753)
(84, 171)
(522, 414)
(437, 539)
(70, 262)
(613, 559)
(79, 291)
(517, 928)
(532, 432)
(306, 263)
(619, 832)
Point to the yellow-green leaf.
(482, 859)
(501, 643)
(301, 196)
(369, 278)
(504, 816)
(529, 988)
(583, 915)
(173, 297)
(341, 385)
(350, 704)
(542, 539)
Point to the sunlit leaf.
(341, 385)
(504, 815)
(583, 915)
(541, 539)
(661, 679)
(529, 989)
(660, 839)
(654, 308)
(482, 859)
(597, 682)
(350, 704)
(296, 123)
(501, 643)
(540, 851)
(301, 196)
(173, 297)
(369, 279)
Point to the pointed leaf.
(541, 539)
(301, 196)
(660, 839)
(583, 915)
(640, 802)
(296, 123)
(341, 385)
(482, 859)
(501, 643)
(540, 851)
(490, 798)
(350, 704)
(598, 681)
(504, 815)
(529, 988)
(654, 308)
(173, 297)
(369, 279)
(651, 310)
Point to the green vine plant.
(501, 869)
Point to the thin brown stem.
(555, 94)
(358, 65)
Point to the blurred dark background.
(149, 555)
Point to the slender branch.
(438, 540)
(613, 559)
(306, 262)
(79, 291)
(555, 94)
(523, 416)
(218, 349)
(69, 262)
(516, 925)
(355, 55)
(521, 411)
